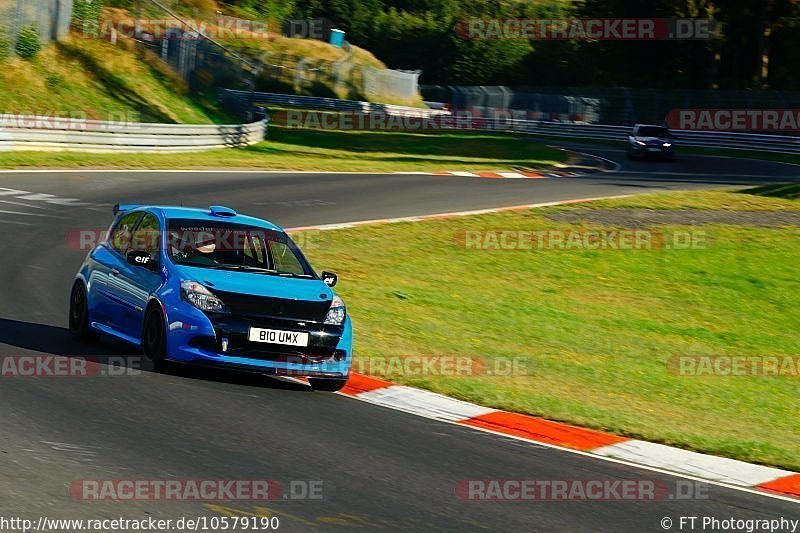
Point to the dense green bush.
(86, 15)
(424, 34)
(28, 42)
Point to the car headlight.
(201, 298)
(667, 145)
(640, 143)
(337, 313)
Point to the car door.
(133, 284)
(106, 307)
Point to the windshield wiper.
(245, 268)
(248, 268)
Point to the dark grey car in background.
(651, 141)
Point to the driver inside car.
(201, 252)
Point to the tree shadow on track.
(52, 340)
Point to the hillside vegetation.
(92, 78)
(87, 76)
(753, 45)
(253, 41)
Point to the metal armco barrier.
(244, 99)
(19, 133)
(699, 139)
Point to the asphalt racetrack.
(379, 469)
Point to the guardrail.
(699, 139)
(247, 99)
(18, 133)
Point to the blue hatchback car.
(213, 287)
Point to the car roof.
(204, 214)
(649, 126)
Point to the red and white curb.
(560, 171)
(723, 471)
(496, 175)
(507, 175)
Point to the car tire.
(154, 338)
(327, 384)
(79, 314)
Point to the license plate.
(654, 149)
(278, 336)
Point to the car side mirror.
(142, 259)
(329, 278)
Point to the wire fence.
(211, 50)
(51, 18)
(206, 66)
(617, 105)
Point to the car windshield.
(227, 246)
(653, 131)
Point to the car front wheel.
(154, 338)
(79, 314)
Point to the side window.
(120, 237)
(146, 237)
(284, 260)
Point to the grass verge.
(295, 149)
(595, 329)
(95, 79)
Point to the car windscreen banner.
(190, 235)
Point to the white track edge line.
(194, 171)
(616, 164)
(454, 214)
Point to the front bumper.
(651, 151)
(197, 338)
